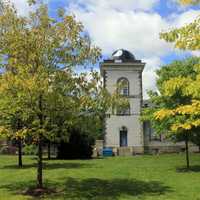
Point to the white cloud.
(22, 6)
(196, 53)
(132, 25)
(137, 31)
(177, 21)
(128, 24)
(122, 5)
(149, 75)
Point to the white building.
(124, 132)
(124, 129)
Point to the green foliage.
(179, 68)
(41, 97)
(186, 114)
(186, 37)
(30, 149)
(162, 100)
(31, 2)
(33, 89)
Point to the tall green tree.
(32, 50)
(183, 117)
(38, 56)
(163, 100)
(186, 38)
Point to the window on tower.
(123, 86)
(123, 110)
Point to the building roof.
(122, 55)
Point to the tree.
(11, 117)
(38, 56)
(183, 117)
(32, 50)
(167, 99)
(93, 100)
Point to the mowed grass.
(119, 178)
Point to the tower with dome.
(123, 128)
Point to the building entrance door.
(123, 138)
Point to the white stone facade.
(131, 71)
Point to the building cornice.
(122, 67)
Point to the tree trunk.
(40, 150)
(20, 153)
(40, 166)
(49, 150)
(187, 152)
(19, 143)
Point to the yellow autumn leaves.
(186, 125)
(193, 109)
(186, 2)
(192, 112)
(7, 133)
(186, 38)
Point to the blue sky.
(130, 24)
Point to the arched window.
(123, 86)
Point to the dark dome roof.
(123, 55)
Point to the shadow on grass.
(95, 188)
(49, 166)
(195, 168)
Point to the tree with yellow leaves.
(187, 37)
(187, 2)
(173, 83)
(183, 117)
(38, 86)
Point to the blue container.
(107, 152)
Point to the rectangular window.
(150, 132)
(123, 111)
(125, 91)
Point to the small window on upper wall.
(123, 86)
(123, 110)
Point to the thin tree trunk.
(49, 150)
(40, 165)
(187, 152)
(19, 142)
(40, 150)
(20, 153)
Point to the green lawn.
(123, 178)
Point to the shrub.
(79, 146)
(30, 149)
